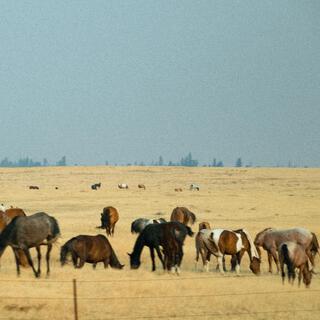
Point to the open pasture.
(253, 198)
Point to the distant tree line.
(28, 162)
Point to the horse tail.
(64, 252)
(55, 230)
(114, 262)
(253, 249)
(315, 244)
(192, 217)
(287, 261)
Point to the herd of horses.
(296, 248)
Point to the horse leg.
(224, 263)
(283, 275)
(39, 259)
(49, 248)
(16, 255)
(74, 259)
(275, 258)
(160, 257)
(106, 263)
(220, 263)
(238, 263)
(152, 258)
(94, 265)
(27, 253)
(270, 261)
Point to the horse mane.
(192, 217)
(114, 262)
(315, 244)
(253, 250)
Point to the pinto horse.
(270, 239)
(91, 249)
(294, 256)
(220, 242)
(170, 236)
(109, 218)
(183, 215)
(28, 232)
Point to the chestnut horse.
(109, 218)
(91, 249)
(5, 218)
(183, 215)
(271, 238)
(220, 242)
(294, 256)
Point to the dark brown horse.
(270, 239)
(141, 186)
(183, 215)
(220, 242)
(5, 219)
(30, 232)
(90, 249)
(109, 218)
(294, 256)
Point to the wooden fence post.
(75, 301)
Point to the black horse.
(28, 232)
(170, 236)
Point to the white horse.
(123, 186)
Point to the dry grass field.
(254, 198)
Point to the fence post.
(75, 301)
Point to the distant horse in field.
(34, 187)
(139, 224)
(96, 186)
(178, 189)
(183, 215)
(28, 232)
(220, 242)
(194, 186)
(270, 239)
(170, 236)
(123, 186)
(90, 249)
(141, 186)
(294, 256)
(5, 219)
(109, 218)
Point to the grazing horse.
(194, 187)
(170, 236)
(5, 218)
(96, 186)
(141, 186)
(178, 189)
(28, 232)
(220, 242)
(139, 224)
(34, 187)
(123, 186)
(91, 249)
(109, 218)
(294, 256)
(183, 215)
(270, 239)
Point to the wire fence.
(75, 298)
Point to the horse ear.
(129, 254)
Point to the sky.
(125, 81)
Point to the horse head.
(134, 261)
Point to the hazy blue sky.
(131, 80)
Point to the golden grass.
(230, 198)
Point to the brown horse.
(5, 218)
(90, 249)
(220, 242)
(141, 186)
(183, 215)
(109, 218)
(294, 256)
(270, 239)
